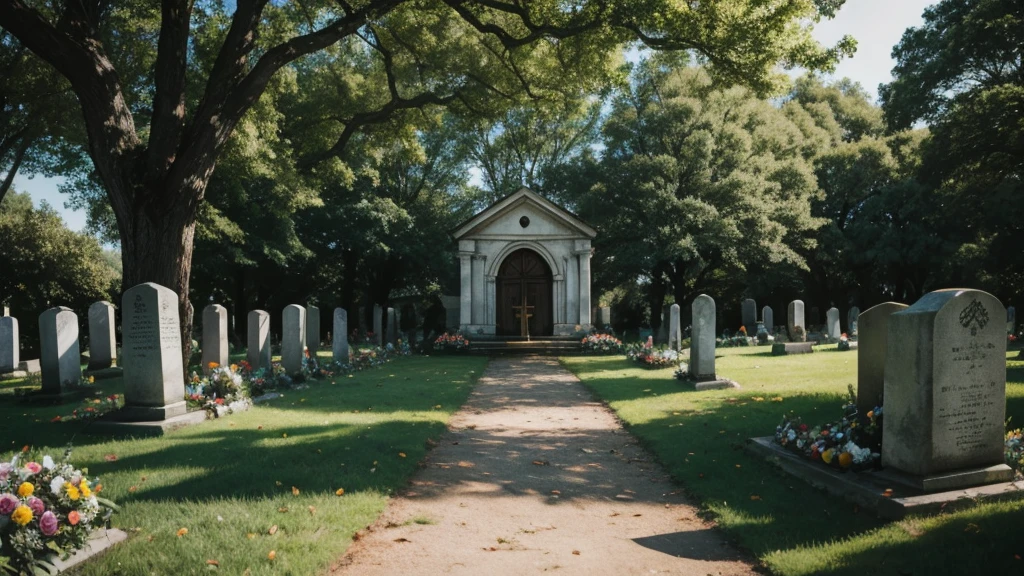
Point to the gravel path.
(535, 476)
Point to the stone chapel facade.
(524, 255)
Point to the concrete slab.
(785, 348)
(98, 542)
(868, 489)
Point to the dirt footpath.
(538, 477)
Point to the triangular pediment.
(505, 219)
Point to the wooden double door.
(524, 275)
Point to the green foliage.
(47, 265)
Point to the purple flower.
(36, 505)
(5, 471)
(48, 524)
(8, 502)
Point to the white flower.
(56, 484)
(47, 462)
(791, 435)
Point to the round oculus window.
(524, 221)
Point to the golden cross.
(523, 313)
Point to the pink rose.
(8, 502)
(48, 524)
(34, 467)
(36, 505)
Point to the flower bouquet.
(451, 343)
(93, 408)
(852, 442)
(601, 344)
(1015, 450)
(649, 357)
(46, 509)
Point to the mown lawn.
(230, 481)
(793, 528)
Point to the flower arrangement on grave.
(601, 344)
(852, 442)
(844, 342)
(224, 384)
(93, 408)
(648, 356)
(740, 339)
(1014, 451)
(451, 342)
(47, 508)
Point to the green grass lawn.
(793, 528)
(229, 481)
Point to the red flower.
(219, 401)
(803, 427)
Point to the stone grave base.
(62, 397)
(952, 479)
(118, 425)
(785, 348)
(98, 542)
(711, 383)
(24, 369)
(867, 489)
(849, 345)
(105, 373)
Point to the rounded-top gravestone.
(154, 378)
(796, 318)
(702, 339)
(102, 343)
(258, 340)
(749, 312)
(312, 329)
(340, 348)
(9, 344)
(293, 338)
(215, 337)
(59, 355)
(832, 328)
(945, 390)
(872, 347)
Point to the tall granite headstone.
(1011, 320)
(154, 378)
(702, 339)
(452, 309)
(768, 317)
(258, 340)
(59, 355)
(341, 351)
(795, 318)
(392, 326)
(832, 323)
(945, 391)
(749, 311)
(102, 340)
(293, 338)
(851, 320)
(675, 331)
(605, 315)
(312, 329)
(10, 354)
(215, 337)
(378, 325)
(872, 346)
(662, 336)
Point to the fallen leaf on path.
(133, 488)
(212, 563)
(182, 532)
(282, 509)
(312, 510)
(576, 552)
(613, 514)
(110, 457)
(555, 492)
(339, 492)
(402, 540)
(271, 555)
(464, 464)
(401, 454)
(273, 530)
(540, 462)
(637, 515)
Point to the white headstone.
(768, 318)
(102, 342)
(258, 341)
(945, 390)
(341, 351)
(215, 337)
(9, 345)
(794, 319)
(293, 338)
(378, 328)
(312, 328)
(832, 323)
(392, 327)
(154, 380)
(872, 347)
(675, 332)
(702, 338)
(60, 358)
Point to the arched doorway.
(524, 274)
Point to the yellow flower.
(22, 515)
(234, 367)
(84, 488)
(73, 492)
(92, 379)
(827, 455)
(26, 489)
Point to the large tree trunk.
(158, 248)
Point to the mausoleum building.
(524, 255)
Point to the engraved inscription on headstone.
(702, 339)
(154, 377)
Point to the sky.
(876, 24)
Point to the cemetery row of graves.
(940, 366)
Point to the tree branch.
(168, 120)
